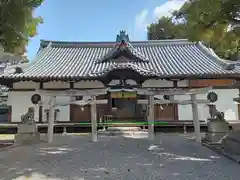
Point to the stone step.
(127, 133)
(111, 129)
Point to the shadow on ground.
(168, 157)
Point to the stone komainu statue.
(215, 114)
(219, 116)
(28, 118)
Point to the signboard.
(123, 94)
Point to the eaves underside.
(76, 79)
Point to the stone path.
(173, 157)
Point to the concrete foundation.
(27, 134)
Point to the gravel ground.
(171, 157)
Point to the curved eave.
(117, 50)
(73, 79)
(124, 66)
(7, 80)
(226, 64)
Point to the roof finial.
(122, 37)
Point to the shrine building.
(122, 75)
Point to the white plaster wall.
(26, 85)
(183, 83)
(157, 83)
(163, 83)
(94, 84)
(224, 103)
(184, 111)
(57, 85)
(64, 111)
(88, 84)
(21, 101)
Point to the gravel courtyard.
(173, 157)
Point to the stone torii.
(145, 91)
(171, 92)
(72, 93)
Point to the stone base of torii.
(144, 91)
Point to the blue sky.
(97, 20)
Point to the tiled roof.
(162, 58)
(141, 71)
(11, 69)
(119, 48)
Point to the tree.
(215, 22)
(17, 24)
(166, 29)
(210, 13)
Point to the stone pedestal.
(232, 141)
(217, 130)
(27, 134)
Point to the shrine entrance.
(124, 106)
(123, 100)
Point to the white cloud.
(167, 8)
(141, 20)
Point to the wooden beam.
(183, 102)
(173, 91)
(198, 101)
(73, 92)
(82, 102)
(143, 91)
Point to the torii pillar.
(94, 118)
(51, 119)
(196, 122)
(150, 117)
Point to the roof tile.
(167, 58)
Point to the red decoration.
(123, 44)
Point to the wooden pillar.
(36, 113)
(41, 106)
(151, 117)
(94, 118)
(40, 114)
(196, 118)
(51, 119)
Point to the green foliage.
(216, 22)
(166, 29)
(17, 24)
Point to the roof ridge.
(44, 43)
(119, 47)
